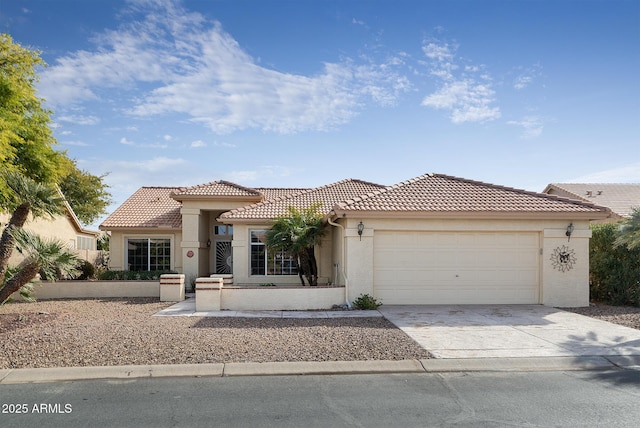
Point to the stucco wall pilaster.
(359, 261)
(565, 267)
(191, 246)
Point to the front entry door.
(224, 257)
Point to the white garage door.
(456, 267)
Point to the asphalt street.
(481, 399)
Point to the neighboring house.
(434, 239)
(66, 228)
(619, 198)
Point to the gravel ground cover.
(66, 333)
(106, 332)
(628, 316)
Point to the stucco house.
(620, 198)
(66, 228)
(433, 239)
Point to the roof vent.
(589, 193)
(599, 192)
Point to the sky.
(268, 93)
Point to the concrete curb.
(65, 374)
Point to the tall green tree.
(297, 234)
(26, 140)
(27, 144)
(86, 193)
(629, 231)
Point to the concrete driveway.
(502, 331)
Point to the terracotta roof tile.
(327, 196)
(442, 193)
(274, 192)
(216, 188)
(147, 207)
(620, 198)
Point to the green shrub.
(614, 272)
(366, 302)
(87, 270)
(132, 275)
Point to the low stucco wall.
(97, 289)
(276, 298)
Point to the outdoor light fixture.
(360, 229)
(209, 243)
(569, 231)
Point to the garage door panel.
(456, 267)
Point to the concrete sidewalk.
(68, 374)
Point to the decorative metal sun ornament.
(563, 258)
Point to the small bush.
(366, 302)
(132, 275)
(614, 272)
(87, 270)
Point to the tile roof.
(274, 192)
(147, 207)
(442, 193)
(216, 188)
(620, 198)
(327, 196)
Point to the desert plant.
(366, 302)
(132, 275)
(87, 270)
(614, 270)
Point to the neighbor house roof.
(147, 207)
(620, 198)
(437, 193)
(326, 196)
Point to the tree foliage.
(86, 193)
(26, 140)
(629, 231)
(297, 234)
(27, 144)
(614, 270)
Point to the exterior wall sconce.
(569, 231)
(209, 243)
(360, 229)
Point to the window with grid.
(149, 254)
(265, 263)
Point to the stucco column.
(190, 244)
(565, 267)
(358, 261)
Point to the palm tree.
(629, 231)
(49, 256)
(25, 197)
(297, 234)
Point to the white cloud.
(223, 144)
(465, 90)
(526, 76)
(629, 173)
(80, 120)
(127, 142)
(532, 126)
(167, 137)
(198, 143)
(261, 174)
(75, 143)
(194, 67)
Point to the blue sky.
(305, 93)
